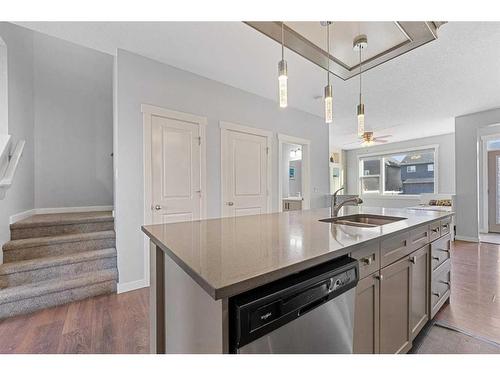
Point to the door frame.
(306, 169)
(148, 111)
(225, 128)
(484, 180)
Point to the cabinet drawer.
(369, 259)
(394, 248)
(435, 230)
(440, 286)
(445, 226)
(419, 237)
(440, 251)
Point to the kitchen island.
(197, 267)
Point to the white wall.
(20, 196)
(143, 81)
(466, 161)
(73, 124)
(446, 168)
(4, 89)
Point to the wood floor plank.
(117, 323)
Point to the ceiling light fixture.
(328, 87)
(283, 73)
(360, 42)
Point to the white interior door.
(176, 170)
(245, 165)
(494, 191)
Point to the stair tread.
(41, 241)
(40, 263)
(43, 220)
(21, 292)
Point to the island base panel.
(194, 323)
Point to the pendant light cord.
(282, 41)
(328, 51)
(360, 48)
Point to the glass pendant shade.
(361, 120)
(283, 84)
(328, 104)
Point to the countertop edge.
(243, 286)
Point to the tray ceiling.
(386, 40)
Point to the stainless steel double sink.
(363, 220)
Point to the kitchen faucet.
(334, 196)
(336, 208)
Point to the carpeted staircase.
(54, 259)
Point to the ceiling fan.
(367, 139)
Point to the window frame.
(381, 156)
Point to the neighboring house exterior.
(417, 173)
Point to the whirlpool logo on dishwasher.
(265, 316)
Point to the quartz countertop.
(228, 256)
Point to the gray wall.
(446, 168)
(73, 124)
(143, 81)
(20, 197)
(466, 161)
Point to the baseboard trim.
(467, 239)
(57, 210)
(132, 285)
(21, 216)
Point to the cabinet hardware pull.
(435, 258)
(413, 259)
(435, 230)
(436, 294)
(367, 261)
(157, 207)
(379, 277)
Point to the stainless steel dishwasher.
(309, 312)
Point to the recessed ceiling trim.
(416, 33)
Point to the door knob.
(157, 207)
(230, 203)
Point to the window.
(370, 175)
(403, 173)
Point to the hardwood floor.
(116, 323)
(120, 323)
(475, 292)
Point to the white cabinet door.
(245, 172)
(176, 163)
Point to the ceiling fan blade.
(384, 136)
(378, 140)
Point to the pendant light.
(328, 87)
(283, 73)
(360, 42)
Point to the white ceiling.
(415, 95)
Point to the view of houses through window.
(405, 173)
